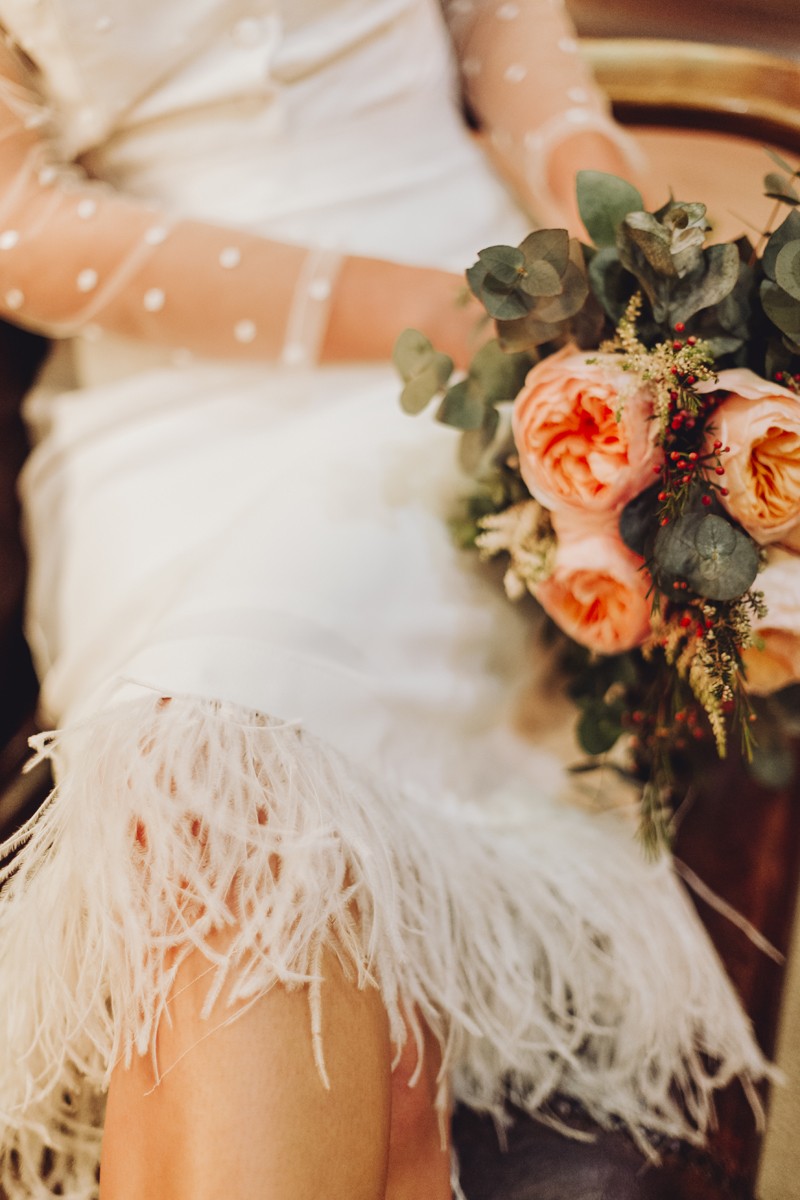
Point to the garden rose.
(573, 451)
(597, 592)
(760, 421)
(777, 662)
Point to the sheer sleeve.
(76, 255)
(535, 99)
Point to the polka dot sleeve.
(78, 257)
(535, 100)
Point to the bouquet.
(632, 431)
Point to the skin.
(244, 1113)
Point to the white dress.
(258, 642)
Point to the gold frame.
(653, 81)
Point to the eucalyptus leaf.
(781, 308)
(541, 279)
(637, 519)
(418, 392)
(412, 352)
(526, 334)
(498, 376)
(588, 326)
(575, 289)
(717, 560)
(603, 202)
(722, 345)
(503, 263)
(461, 407)
(599, 726)
(552, 245)
(787, 269)
(717, 279)
(475, 442)
(610, 282)
(778, 187)
(475, 276)
(787, 231)
(651, 238)
(503, 303)
(653, 283)
(687, 225)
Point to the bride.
(300, 885)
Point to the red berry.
(692, 341)
(690, 379)
(724, 492)
(706, 500)
(677, 345)
(686, 621)
(679, 328)
(719, 470)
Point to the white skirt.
(285, 706)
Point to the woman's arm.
(76, 255)
(536, 101)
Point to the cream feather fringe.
(542, 950)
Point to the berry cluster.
(689, 466)
(787, 380)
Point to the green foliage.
(424, 370)
(531, 290)
(603, 202)
(779, 187)
(666, 257)
(698, 308)
(717, 560)
(599, 725)
(461, 408)
(787, 269)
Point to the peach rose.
(760, 421)
(583, 434)
(597, 592)
(777, 662)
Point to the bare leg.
(244, 1115)
(419, 1163)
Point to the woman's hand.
(374, 301)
